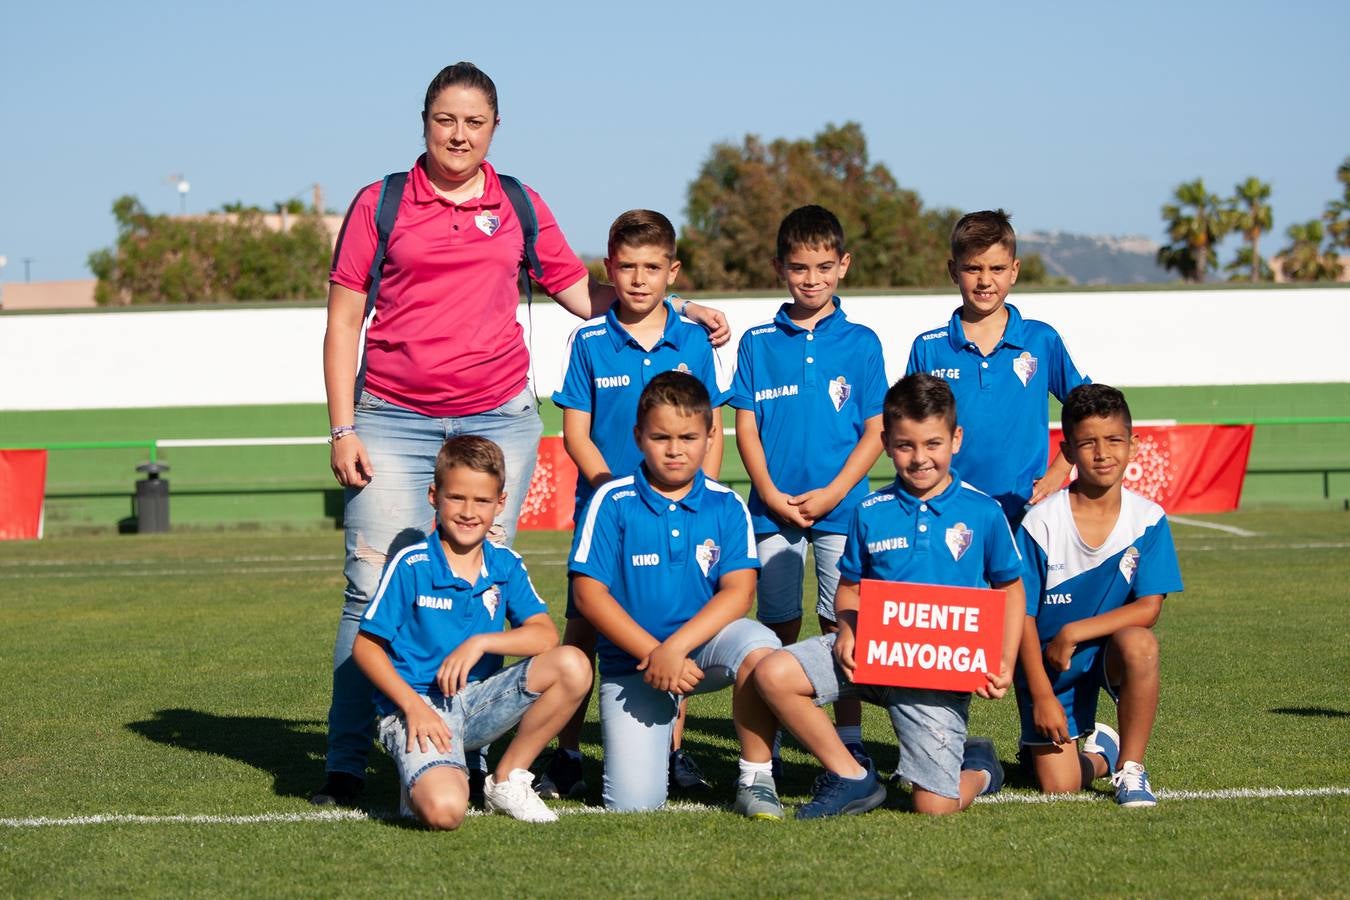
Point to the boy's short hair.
(814, 227)
(678, 389)
(1089, 401)
(472, 452)
(919, 396)
(978, 231)
(642, 228)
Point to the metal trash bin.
(151, 506)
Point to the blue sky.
(1078, 117)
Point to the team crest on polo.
(683, 367)
(1129, 563)
(839, 391)
(707, 554)
(491, 598)
(487, 223)
(1024, 367)
(958, 540)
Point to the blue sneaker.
(1103, 740)
(1132, 788)
(859, 753)
(979, 754)
(834, 795)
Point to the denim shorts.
(782, 560)
(636, 719)
(479, 714)
(930, 725)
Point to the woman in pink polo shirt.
(444, 355)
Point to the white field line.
(358, 815)
(240, 442)
(1227, 529)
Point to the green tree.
(1252, 216)
(1196, 222)
(167, 259)
(1240, 269)
(1303, 259)
(742, 193)
(1337, 215)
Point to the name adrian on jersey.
(445, 603)
(612, 381)
(773, 393)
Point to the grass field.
(291, 486)
(163, 723)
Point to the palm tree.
(1338, 211)
(1196, 222)
(1252, 216)
(1241, 267)
(1303, 259)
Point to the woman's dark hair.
(461, 74)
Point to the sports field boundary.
(354, 815)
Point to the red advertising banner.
(1187, 468)
(928, 636)
(552, 494)
(23, 481)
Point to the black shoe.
(685, 776)
(477, 777)
(339, 789)
(562, 778)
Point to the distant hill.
(1096, 259)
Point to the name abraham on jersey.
(427, 602)
(839, 391)
(707, 554)
(1129, 563)
(885, 544)
(959, 538)
(773, 393)
(1024, 367)
(612, 381)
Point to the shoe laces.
(761, 791)
(1131, 777)
(827, 787)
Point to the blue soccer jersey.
(425, 611)
(660, 558)
(1066, 580)
(958, 538)
(811, 393)
(607, 369)
(1002, 400)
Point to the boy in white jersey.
(1099, 561)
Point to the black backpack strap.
(529, 224)
(386, 211)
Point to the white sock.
(849, 734)
(750, 769)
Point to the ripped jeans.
(392, 512)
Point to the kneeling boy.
(927, 527)
(664, 566)
(432, 643)
(1099, 561)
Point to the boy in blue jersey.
(807, 393)
(609, 361)
(928, 527)
(1001, 368)
(663, 565)
(1099, 561)
(432, 643)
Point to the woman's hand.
(350, 462)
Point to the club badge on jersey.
(1129, 563)
(491, 599)
(839, 391)
(707, 554)
(487, 223)
(959, 538)
(1024, 367)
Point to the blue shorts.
(782, 560)
(476, 716)
(930, 725)
(1079, 699)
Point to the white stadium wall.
(253, 356)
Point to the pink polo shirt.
(445, 340)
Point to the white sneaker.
(516, 798)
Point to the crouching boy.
(432, 643)
(1099, 561)
(664, 565)
(927, 527)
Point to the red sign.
(928, 636)
(23, 481)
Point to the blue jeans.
(392, 512)
(782, 560)
(636, 719)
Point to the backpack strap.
(386, 211)
(529, 224)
